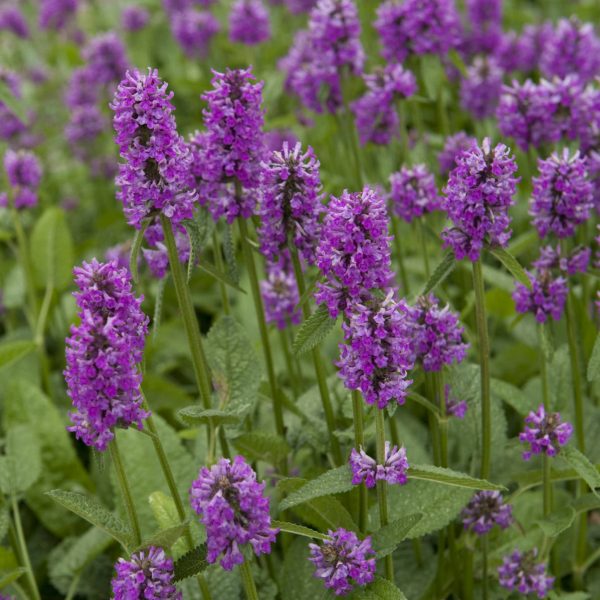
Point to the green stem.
(422, 241)
(248, 581)
(484, 358)
(220, 266)
(484, 559)
(404, 148)
(438, 379)
(318, 364)
(467, 579)
(27, 266)
(289, 363)
(382, 485)
(400, 255)
(359, 442)
(23, 552)
(547, 482)
(125, 490)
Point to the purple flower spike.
(485, 17)
(103, 352)
(453, 147)
(455, 407)
(290, 203)
(576, 261)
(106, 59)
(486, 509)
(134, 18)
(393, 470)
(232, 506)
(156, 174)
(12, 19)
(480, 88)
(377, 355)
(280, 294)
(545, 433)
(413, 192)
(55, 14)
(479, 192)
(194, 29)
(562, 194)
(249, 22)
(147, 574)
(521, 573)
(24, 174)
(546, 298)
(343, 561)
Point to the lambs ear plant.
(299, 299)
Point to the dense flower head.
(55, 14)
(249, 22)
(10, 124)
(376, 355)
(297, 7)
(234, 510)
(417, 27)
(413, 192)
(193, 30)
(280, 295)
(435, 333)
(82, 90)
(134, 18)
(454, 145)
(24, 173)
(103, 352)
(545, 299)
(553, 258)
(393, 470)
(481, 86)
(155, 176)
(106, 58)
(484, 510)
(376, 116)
(485, 20)
(569, 106)
(86, 124)
(454, 407)
(520, 572)
(12, 19)
(479, 192)
(290, 202)
(562, 195)
(517, 51)
(342, 561)
(572, 48)
(353, 251)
(147, 574)
(545, 433)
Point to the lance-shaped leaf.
(209, 268)
(11, 352)
(443, 269)
(196, 414)
(21, 465)
(582, 465)
(380, 589)
(190, 564)
(298, 530)
(258, 445)
(386, 539)
(512, 265)
(313, 331)
(558, 521)
(450, 478)
(165, 538)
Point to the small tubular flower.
(481, 86)
(486, 509)
(544, 433)
(413, 192)
(24, 173)
(249, 22)
(453, 147)
(194, 30)
(280, 294)
(393, 470)
(520, 572)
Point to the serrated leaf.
(512, 395)
(190, 564)
(443, 269)
(313, 331)
(298, 530)
(297, 573)
(512, 265)
(95, 513)
(386, 539)
(165, 538)
(196, 414)
(582, 465)
(335, 481)
(450, 478)
(219, 275)
(558, 521)
(11, 352)
(51, 250)
(11, 576)
(229, 253)
(380, 589)
(593, 370)
(258, 445)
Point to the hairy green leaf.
(297, 573)
(512, 265)
(512, 395)
(558, 521)
(196, 414)
(582, 465)
(298, 530)
(451, 478)
(335, 481)
(209, 268)
(165, 538)
(386, 539)
(11, 352)
(593, 370)
(313, 331)
(443, 269)
(380, 589)
(190, 564)
(258, 445)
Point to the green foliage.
(584, 468)
(443, 269)
(512, 265)
(11, 352)
(313, 331)
(21, 465)
(380, 589)
(258, 445)
(593, 370)
(191, 563)
(558, 521)
(450, 478)
(297, 578)
(386, 539)
(195, 415)
(298, 530)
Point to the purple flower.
(290, 203)
(280, 294)
(106, 58)
(353, 251)
(544, 433)
(552, 258)
(194, 30)
(343, 561)
(480, 88)
(24, 174)
(55, 14)
(485, 18)
(156, 174)
(298, 7)
(234, 510)
(86, 124)
(134, 18)
(562, 194)
(453, 146)
(376, 355)
(455, 407)
(103, 352)
(479, 192)
(436, 336)
(119, 254)
(82, 90)
(486, 509)
(520, 572)
(147, 574)
(249, 22)
(546, 297)
(12, 19)
(10, 125)
(376, 117)
(417, 27)
(413, 192)
(393, 470)
(157, 257)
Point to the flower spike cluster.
(486, 509)
(413, 192)
(249, 22)
(393, 470)
(103, 352)
(546, 298)
(453, 147)
(520, 572)
(544, 433)
(24, 174)
(280, 294)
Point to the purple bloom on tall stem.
(342, 561)
(106, 59)
(280, 294)
(155, 177)
(103, 352)
(485, 18)
(520, 572)
(453, 147)
(147, 574)
(249, 22)
(486, 509)
(393, 470)
(455, 407)
(234, 510)
(24, 174)
(481, 86)
(298, 7)
(11, 125)
(479, 192)
(134, 18)
(413, 192)
(562, 194)
(12, 19)
(545, 433)
(193, 30)
(55, 14)
(546, 298)
(552, 258)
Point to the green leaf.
(258, 445)
(309, 291)
(434, 76)
(297, 574)
(229, 252)
(14, 104)
(512, 265)
(165, 538)
(23, 450)
(11, 352)
(335, 481)
(136, 246)
(313, 331)
(190, 564)
(52, 250)
(444, 268)
(386, 539)
(209, 268)
(458, 62)
(584, 468)
(558, 521)
(158, 304)
(298, 530)
(512, 395)
(380, 589)
(199, 232)
(92, 511)
(6, 578)
(451, 478)
(593, 370)
(196, 414)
